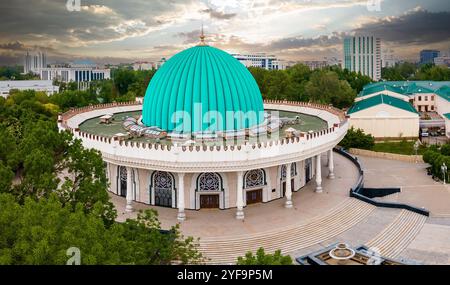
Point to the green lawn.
(403, 147)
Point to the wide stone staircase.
(225, 250)
(397, 235)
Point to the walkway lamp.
(416, 148)
(444, 171)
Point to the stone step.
(225, 250)
(398, 235)
(304, 231)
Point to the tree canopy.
(330, 85)
(41, 231)
(410, 71)
(53, 195)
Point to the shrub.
(261, 258)
(357, 139)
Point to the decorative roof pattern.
(406, 88)
(204, 83)
(444, 92)
(381, 99)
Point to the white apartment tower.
(363, 54)
(34, 62)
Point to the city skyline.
(114, 32)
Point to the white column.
(181, 215)
(318, 174)
(288, 203)
(331, 164)
(129, 207)
(240, 196)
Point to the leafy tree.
(15, 73)
(445, 149)
(8, 145)
(261, 258)
(399, 72)
(299, 73)
(59, 198)
(356, 80)
(431, 72)
(6, 177)
(41, 232)
(326, 88)
(357, 139)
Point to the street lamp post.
(416, 148)
(444, 171)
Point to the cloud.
(417, 26)
(143, 28)
(13, 46)
(100, 22)
(218, 14)
(301, 42)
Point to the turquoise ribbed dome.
(206, 83)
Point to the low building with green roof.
(422, 94)
(385, 117)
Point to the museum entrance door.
(308, 166)
(209, 201)
(163, 197)
(254, 196)
(123, 188)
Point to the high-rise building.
(262, 60)
(428, 56)
(34, 62)
(363, 54)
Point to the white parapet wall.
(209, 158)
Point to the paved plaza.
(417, 188)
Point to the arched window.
(123, 177)
(254, 178)
(163, 183)
(293, 171)
(209, 181)
(162, 180)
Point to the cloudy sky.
(127, 30)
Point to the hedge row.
(436, 159)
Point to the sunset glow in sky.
(123, 31)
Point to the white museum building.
(242, 160)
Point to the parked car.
(424, 132)
(434, 134)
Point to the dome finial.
(202, 38)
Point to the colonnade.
(240, 187)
